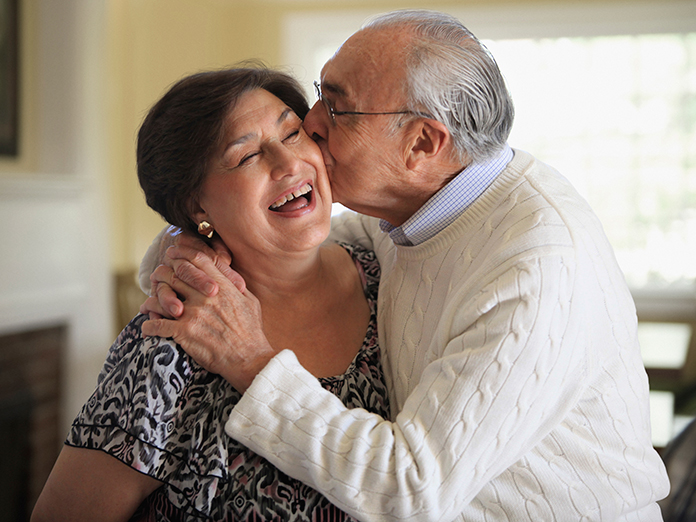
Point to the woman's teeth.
(296, 194)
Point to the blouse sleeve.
(150, 411)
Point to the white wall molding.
(26, 311)
(54, 265)
(41, 186)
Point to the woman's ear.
(198, 214)
(200, 217)
(429, 139)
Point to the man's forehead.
(353, 65)
(332, 83)
(338, 77)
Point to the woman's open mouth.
(296, 200)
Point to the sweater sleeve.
(150, 261)
(356, 229)
(505, 378)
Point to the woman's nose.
(285, 162)
(315, 122)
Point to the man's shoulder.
(358, 229)
(348, 217)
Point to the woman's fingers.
(193, 242)
(223, 253)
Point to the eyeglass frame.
(333, 112)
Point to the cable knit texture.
(516, 383)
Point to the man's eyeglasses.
(333, 112)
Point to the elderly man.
(509, 335)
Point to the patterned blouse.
(160, 413)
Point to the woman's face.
(266, 190)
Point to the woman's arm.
(88, 485)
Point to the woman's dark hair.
(185, 127)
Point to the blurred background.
(604, 91)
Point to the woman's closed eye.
(292, 137)
(248, 157)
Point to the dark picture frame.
(9, 77)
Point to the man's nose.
(315, 122)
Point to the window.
(617, 116)
(605, 94)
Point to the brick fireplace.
(30, 432)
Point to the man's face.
(363, 156)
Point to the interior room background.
(615, 112)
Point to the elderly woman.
(224, 153)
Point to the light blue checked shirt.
(449, 202)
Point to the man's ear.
(428, 139)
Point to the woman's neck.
(313, 305)
(285, 278)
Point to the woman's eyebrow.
(283, 116)
(239, 141)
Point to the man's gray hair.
(455, 79)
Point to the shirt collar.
(446, 205)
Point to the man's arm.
(478, 408)
(172, 255)
(356, 229)
(495, 389)
(154, 255)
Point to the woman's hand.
(224, 332)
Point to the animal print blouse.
(162, 414)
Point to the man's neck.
(443, 207)
(419, 194)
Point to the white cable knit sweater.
(517, 387)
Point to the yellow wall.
(152, 43)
